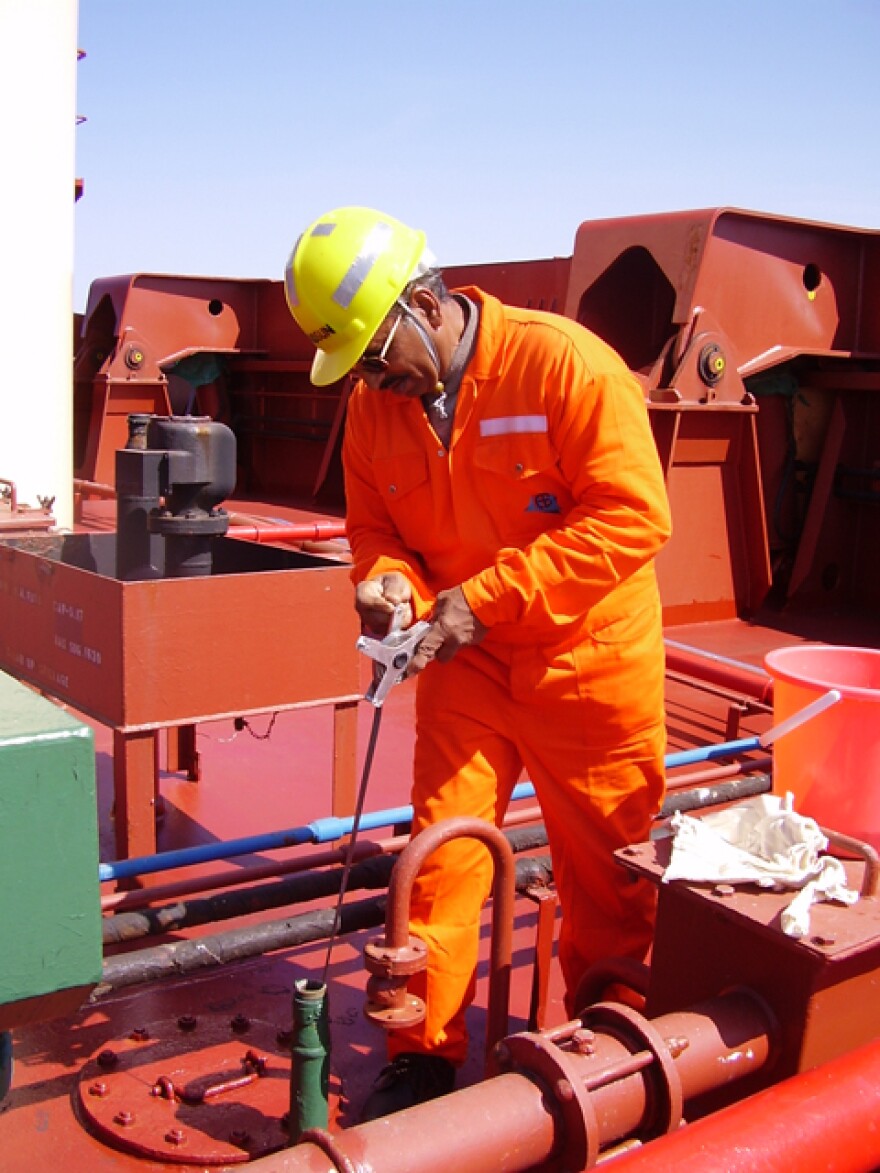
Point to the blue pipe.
(327, 830)
(320, 831)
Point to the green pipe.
(310, 1055)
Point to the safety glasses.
(377, 364)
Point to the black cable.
(355, 827)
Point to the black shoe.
(411, 1078)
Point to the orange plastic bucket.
(831, 764)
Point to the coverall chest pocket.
(403, 482)
(520, 484)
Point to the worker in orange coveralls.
(501, 480)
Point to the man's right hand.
(377, 598)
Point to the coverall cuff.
(482, 600)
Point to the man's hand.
(377, 598)
(453, 626)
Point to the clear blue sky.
(217, 129)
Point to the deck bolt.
(187, 1022)
(240, 1024)
(723, 890)
(124, 1118)
(140, 1034)
(583, 1041)
(176, 1136)
(98, 1089)
(564, 1090)
(107, 1059)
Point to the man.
(501, 480)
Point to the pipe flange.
(388, 961)
(538, 1058)
(195, 524)
(632, 1028)
(407, 1012)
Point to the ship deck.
(271, 772)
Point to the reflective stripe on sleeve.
(506, 425)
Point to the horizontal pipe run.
(538, 1113)
(820, 1119)
(178, 958)
(733, 674)
(373, 869)
(133, 898)
(327, 830)
(324, 830)
(722, 792)
(249, 873)
(296, 532)
(696, 778)
(372, 873)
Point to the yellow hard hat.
(345, 273)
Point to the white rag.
(761, 841)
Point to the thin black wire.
(349, 854)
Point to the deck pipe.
(176, 958)
(735, 675)
(820, 1119)
(326, 830)
(310, 1060)
(558, 1102)
(698, 781)
(372, 870)
(295, 532)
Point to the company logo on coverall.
(543, 503)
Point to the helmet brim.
(330, 367)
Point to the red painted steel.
(140, 656)
(304, 532)
(557, 1106)
(824, 1119)
(201, 1089)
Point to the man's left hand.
(453, 626)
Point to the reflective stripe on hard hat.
(374, 245)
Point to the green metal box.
(50, 916)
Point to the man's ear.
(423, 299)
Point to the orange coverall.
(547, 509)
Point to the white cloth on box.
(761, 841)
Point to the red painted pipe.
(556, 1106)
(718, 773)
(826, 1118)
(741, 678)
(304, 531)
